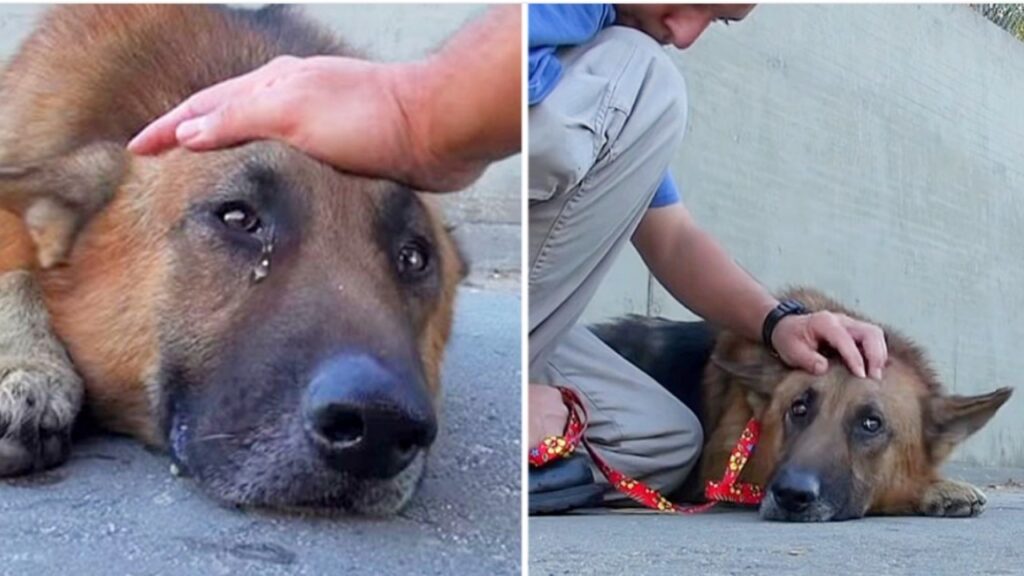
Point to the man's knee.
(666, 468)
(683, 447)
(668, 449)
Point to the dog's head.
(845, 446)
(278, 325)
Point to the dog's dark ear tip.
(749, 372)
(717, 361)
(465, 265)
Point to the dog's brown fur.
(894, 472)
(87, 80)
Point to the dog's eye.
(412, 258)
(240, 217)
(798, 409)
(871, 424)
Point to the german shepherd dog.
(276, 325)
(833, 447)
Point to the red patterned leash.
(729, 489)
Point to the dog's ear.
(57, 196)
(951, 419)
(759, 373)
(461, 260)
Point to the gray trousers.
(600, 144)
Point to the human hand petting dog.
(347, 112)
(674, 246)
(797, 340)
(433, 124)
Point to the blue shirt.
(552, 26)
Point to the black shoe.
(563, 485)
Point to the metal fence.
(1009, 17)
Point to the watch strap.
(788, 307)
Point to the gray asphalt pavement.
(736, 542)
(115, 508)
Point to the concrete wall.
(873, 151)
(487, 216)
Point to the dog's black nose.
(367, 419)
(794, 490)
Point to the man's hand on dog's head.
(356, 115)
(433, 124)
(798, 340)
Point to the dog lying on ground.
(833, 447)
(277, 325)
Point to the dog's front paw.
(952, 499)
(38, 406)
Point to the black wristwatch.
(785, 308)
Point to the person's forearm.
(465, 99)
(695, 269)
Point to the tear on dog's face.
(288, 322)
(845, 447)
